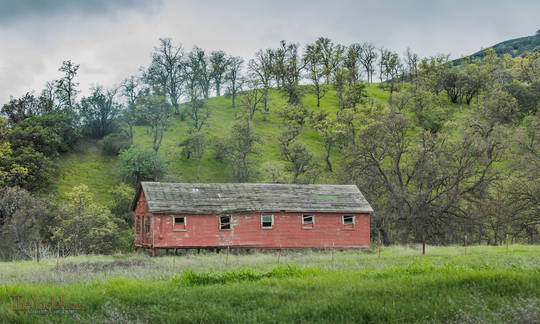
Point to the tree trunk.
(130, 134)
(199, 170)
(328, 164)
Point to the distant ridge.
(515, 47)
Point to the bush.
(113, 144)
(138, 165)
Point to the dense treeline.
(433, 174)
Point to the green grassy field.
(448, 285)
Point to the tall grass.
(306, 286)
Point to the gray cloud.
(112, 39)
(14, 11)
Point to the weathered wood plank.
(211, 198)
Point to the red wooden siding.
(246, 231)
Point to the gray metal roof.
(220, 198)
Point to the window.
(138, 224)
(267, 221)
(147, 225)
(348, 220)
(308, 219)
(179, 223)
(225, 222)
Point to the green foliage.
(515, 47)
(99, 111)
(239, 149)
(156, 111)
(528, 97)
(114, 143)
(23, 220)
(84, 225)
(120, 207)
(50, 133)
(136, 165)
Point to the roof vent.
(195, 189)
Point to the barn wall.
(288, 231)
(142, 211)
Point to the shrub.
(138, 165)
(113, 144)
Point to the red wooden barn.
(250, 215)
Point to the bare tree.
(331, 56)
(198, 111)
(368, 57)
(350, 62)
(421, 180)
(219, 64)
(130, 91)
(291, 75)
(262, 66)
(243, 144)
(200, 70)
(166, 70)
(390, 65)
(66, 87)
(315, 68)
(157, 111)
(411, 60)
(328, 129)
(252, 97)
(295, 153)
(233, 77)
(195, 145)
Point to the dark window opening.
(225, 222)
(267, 221)
(348, 220)
(147, 225)
(138, 224)
(179, 221)
(308, 219)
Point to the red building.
(250, 215)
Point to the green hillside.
(90, 166)
(515, 47)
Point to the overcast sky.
(111, 39)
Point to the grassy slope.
(89, 166)
(349, 286)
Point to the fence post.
(465, 244)
(227, 257)
(506, 242)
(37, 251)
(279, 254)
(333, 246)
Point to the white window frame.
(312, 220)
(266, 227)
(230, 223)
(174, 223)
(353, 219)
